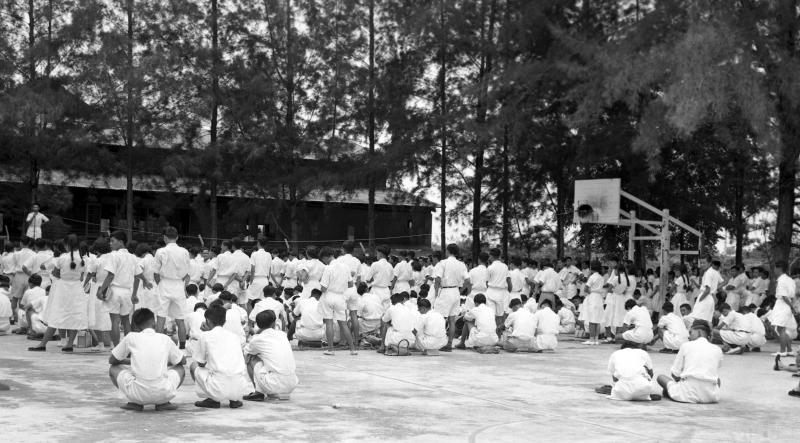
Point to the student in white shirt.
(520, 328)
(270, 302)
(548, 282)
(35, 220)
(671, 330)
(546, 327)
(695, 372)
(335, 280)
(42, 262)
(219, 370)
(402, 276)
(499, 285)
(146, 366)
(270, 364)
(370, 311)
(450, 276)
(704, 305)
(480, 326)
(6, 312)
(631, 372)
(782, 314)
(116, 290)
(736, 288)
(171, 273)
(758, 289)
(479, 277)
(194, 324)
(19, 282)
(566, 318)
(381, 275)
(32, 304)
(732, 331)
(430, 329)
(517, 279)
(260, 272)
(241, 266)
(398, 326)
(755, 328)
(309, 324)
(638, 325)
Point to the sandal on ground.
(38, 348)
(67, 350)
(207, 403)
(794, 393)
(235, 404)
(166, 407)
(254, 396)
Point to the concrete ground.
(463, 396)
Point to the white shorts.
(367, 325)
(256, 289)
(497, 299)
(735, 338)
(448, 302)
(781, 315)
(394, 337)
(638, 335)
(171, 299)
(631, 389)
(401, 286)
(220, 387)
(690, 390)
(303, 334)
(333, 306)
(479, 339)
(385, 296)
(523, 343)
(272, 383)
(756, 340)
(428, 342)
(673, 341)
(118, 300)
(148, 392)
(546, 341)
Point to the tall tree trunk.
(33, 174)
(213, 187)
(487, 39)
(561, 197)
(129, 125)
(289, 122)
(738, 212)
(443, 124)
(371, 129)
(506, 192)
(31, 40)
(787, 172)
(49, 36)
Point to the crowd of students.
(234, 314)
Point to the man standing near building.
(260, 271)
(35, 220)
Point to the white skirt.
(66, 306)
(592, 308)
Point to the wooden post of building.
(631, 235)
(664, 261)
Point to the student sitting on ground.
(309, 324)
(216, 291)
(631, 372)
(671, 330)
(398, 325)
(638, 325)
(520, 328)
(479, 326)
(566, 318)
(191, 298)
(145, 366)
(270, 363)
(732, 331)
(430, 330)
(194, 324)
(270, 302)
(33, 303)
(755, 327)
(686, 310)
(695, 372)
(233, 319)
(546, 327)
(6, 310)
(370, 312)
(219, 370)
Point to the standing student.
(66, 304)
(671, 330)
(218, 370)
(498, 286)
(695, 372)
(224, 270)
(430, 330)
(592, 307)
(260, 272)
(479, 278)
(271, 364)
(548, 282)
(99, 318)
(147, 367)
(117, 289)
(241, 273)
(681, 285)
(335, 281)
(402, 276)
(171, 273)
(631, 372)
(41, 262)
(450, 276)
(782, 314)
(517, 279)
(311, 270)
(736, 288)
(35, 221)
(196, 265)
(381, 275)
(615, 311)
(7, 260)
(20, 281)
(148, 298)
(704, 305)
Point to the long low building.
(322, 216)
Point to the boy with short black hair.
(520, 327)
(219, 370)
(33, 303)
(269, 302)
(145, 366)
(398, 325)
(270, 363)
(671, 330)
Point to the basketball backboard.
(597, 201)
